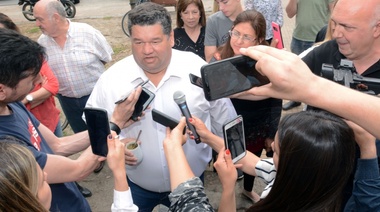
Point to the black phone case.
(229, 76)
(165, 120)
(195, 80)
(98, 129)
(145, 98)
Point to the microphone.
(180, 98)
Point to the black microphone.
(180, 98)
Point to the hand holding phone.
(98, 129)
(234, 138)
(277, 35)
(165, 120)
(145, 98)
(125, 96)
(229, 76)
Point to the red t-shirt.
(47, 112)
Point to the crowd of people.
(322, 159)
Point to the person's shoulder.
(216, 17)
(186, 56)
(83, 27)
(178, 31)
(122, 64)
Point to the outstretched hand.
(115, 160)
(289, 76)
(115, 156)
(200, 127)
(226, 169)
(175, 138)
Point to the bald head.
(51, 18)
(370, 10)
(50, 7)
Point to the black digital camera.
(346, 75)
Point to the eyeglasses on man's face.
(237, 35)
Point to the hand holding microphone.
(180, 98)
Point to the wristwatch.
(29, 98)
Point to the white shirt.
(123, 202)
(266, 170)
(152, 173)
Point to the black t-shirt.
(184, 43)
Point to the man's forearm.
(72, 144)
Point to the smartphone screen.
(195, 80)
(145, 98)
(98, 129)
(125, 96)
(229, 76)
(234, 139)
(277, 35)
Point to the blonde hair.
(18, 177)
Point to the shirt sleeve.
(190, 196)
(52, 84)
(211, 34)
(266, 170)
(366, 191)
(102, 47)
(221, 111)
(123, 202)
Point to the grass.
(33, 30)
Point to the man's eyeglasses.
(236, 34)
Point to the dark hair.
(8, 23)
(20, 57)
(316, 157)
(149, 13)
(183, 4)
(257, 21)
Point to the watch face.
(29, 97)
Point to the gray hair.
(149, 13)
(56, 7)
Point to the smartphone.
(125, 96)
(98, 129)
(145, 98)
(229, 76)
(277, 35)
(234, 138)
(165, 120)
(195, 80)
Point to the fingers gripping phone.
(125, 96)
(145, 98)
(234, 138)
(98, 129)
(229, 76)
(277, 35)
(165, 120)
